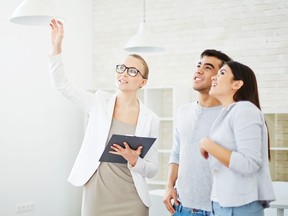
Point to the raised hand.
(57, 34)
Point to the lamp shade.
(143, 41)
(35, 13)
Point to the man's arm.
(171, 192)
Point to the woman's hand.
(57, 34)
(203, 143)
(129, 154)
(208, 146)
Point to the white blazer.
(100, 107)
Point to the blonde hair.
(146, 68)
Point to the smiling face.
(206, 68)
(224, 86)
(128, 83)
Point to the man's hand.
(170, 194)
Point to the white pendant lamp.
(35, 13)
(143, 40)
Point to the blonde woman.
(110, 189)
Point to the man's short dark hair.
(217, 54)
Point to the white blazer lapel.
(110, 111)
(142, 119)
(111, 105)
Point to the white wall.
(40, 131)
(253, 32)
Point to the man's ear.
(237, 84)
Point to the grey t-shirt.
(193, 122)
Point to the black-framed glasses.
(131, 71)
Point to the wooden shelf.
(279, 149)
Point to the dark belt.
(195, 210)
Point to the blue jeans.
(254, 208)
(183, 211)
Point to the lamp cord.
(144, 9)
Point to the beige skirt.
(111, 192)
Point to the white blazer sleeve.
(82, 98)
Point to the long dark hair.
(249, 90)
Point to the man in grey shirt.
(189, 177)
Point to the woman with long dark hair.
(237, 147)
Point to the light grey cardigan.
(241, 128)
